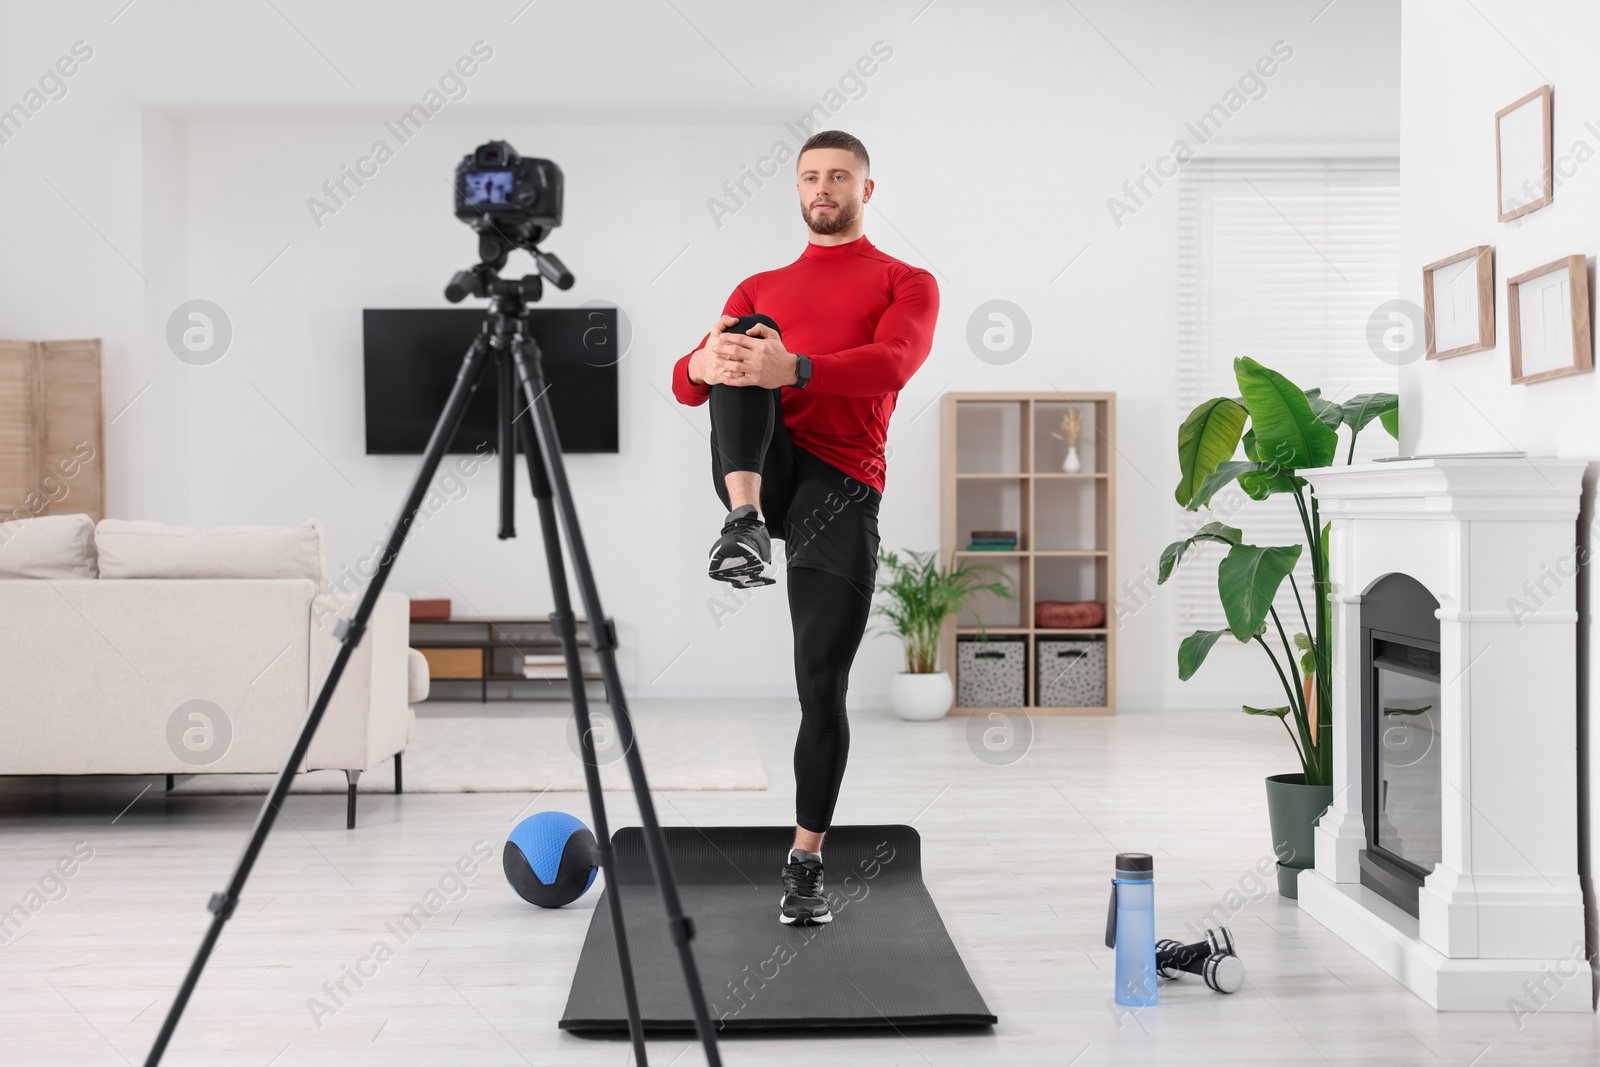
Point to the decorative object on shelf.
(993, 671)
(918, 597)
(1068, 614)
(992, 541)
(1458, 303)
(550, 667)
(1522, 150)
(1072, 673)
(1071, 426)
(430, 610)
(52, 448)
(1298, 430)
(1541, 348)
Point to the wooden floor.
(1018, 856)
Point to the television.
(411, 357)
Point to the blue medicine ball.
(549, 859)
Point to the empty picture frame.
(1549, 309)
(1458, 302)
(1522, 135)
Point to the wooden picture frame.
(1551, 339)
(1458, 303)
(1522, 155)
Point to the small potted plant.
(918, 597)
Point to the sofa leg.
(398, 787)
(171, 781)
(350, 804)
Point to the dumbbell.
(1213, 959)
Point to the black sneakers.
(802, 890)
(742, 556)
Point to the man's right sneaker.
(802, 900)
(742, 556)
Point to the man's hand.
(703, 364)
(757, 358)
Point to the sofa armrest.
(369, 718)
(418, 680)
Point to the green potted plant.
(917, 598)
(1283, 430)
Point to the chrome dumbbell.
(1213, 959)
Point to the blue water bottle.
(1131, 928)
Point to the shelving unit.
(1002, 469)
(485, 651)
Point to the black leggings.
(828, 611)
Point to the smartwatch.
(802, 371)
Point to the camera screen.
(487, 187)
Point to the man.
(802, 371)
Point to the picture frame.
(1549, 321)
(1458, 303)
(1524, 180)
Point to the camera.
(499, 193)
(512, 203)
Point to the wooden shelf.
(1018, 484)
(974, 631)
(1029, 474)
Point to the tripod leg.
(349, 632)
(531, 375)
(561, 620)
(507, 432)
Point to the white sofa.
(138, 648)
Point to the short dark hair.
(839, 139)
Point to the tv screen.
(411, 358)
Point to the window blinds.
(1285, 261)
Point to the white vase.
(921, 697)
(1072, 465)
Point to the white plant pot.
(921, 697)
(1072, 464)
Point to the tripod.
(507, 342)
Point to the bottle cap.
(1135, 866)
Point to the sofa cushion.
(137, 549)
(49, 546)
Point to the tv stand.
(485, 650)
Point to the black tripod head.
(484, 279)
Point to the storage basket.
(991, 673)
(1072, 673)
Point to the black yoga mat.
(885, 960)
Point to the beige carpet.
(530, 754)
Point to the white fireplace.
(1499, 918)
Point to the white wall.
(184, 151)
(1458, 71)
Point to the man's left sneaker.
(802, 890)
(742, 556)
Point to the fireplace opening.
(1400, 738)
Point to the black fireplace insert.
(1400, 736)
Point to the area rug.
(531, 754)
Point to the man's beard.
(841, 218)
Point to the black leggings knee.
(743, 416)
(829, 615)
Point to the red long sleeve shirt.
(866, 320)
